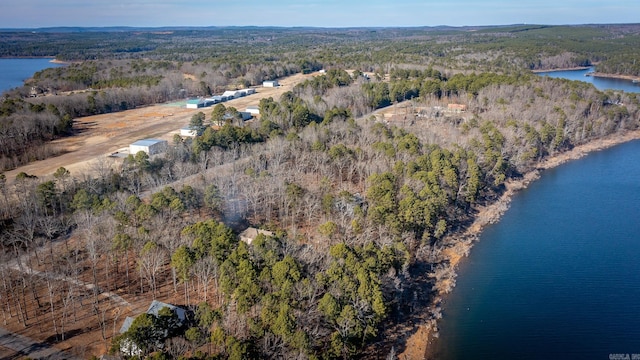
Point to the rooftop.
(126, 325)
(154, 308)
(250, 233)
(148, 142)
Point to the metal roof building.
(150, 146)
(154, 309)
(244, 114)
(195, 103)
(231, 94)
(188, 131)
(253, 110)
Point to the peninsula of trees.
(358, 209)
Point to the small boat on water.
(636, 81)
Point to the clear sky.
(326, 13)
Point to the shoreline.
(561, 69)
(56, 61)
(593, 74)
(53, 59)
(615, 76)
(462, 243)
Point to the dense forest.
(357, 210)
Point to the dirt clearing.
(101, 135)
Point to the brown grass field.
(101, 135)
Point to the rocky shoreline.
(561, 69)
(457, 245)
(615, 76)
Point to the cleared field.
(101, 135)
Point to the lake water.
(598, 82)
(13, 72)
(559, 276)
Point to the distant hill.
(80, 29)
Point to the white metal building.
(188, 131)
(231, 94)
(253, 110)
(195, 103)
(271, 83)
(210, 101)
(150, 146)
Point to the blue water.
(598, 82)
(13, 72)
(559, 276)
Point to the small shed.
(195, 103)
(270, 83)
(253, 110)
(150, 146)
(188, 131)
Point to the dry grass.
(100, 135)
(82, 331)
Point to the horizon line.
(305, 26)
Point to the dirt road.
(19, 345)
(101, 135)
(21, 265)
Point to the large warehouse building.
(195, 103)
(150, 146)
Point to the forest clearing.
(98, 136)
